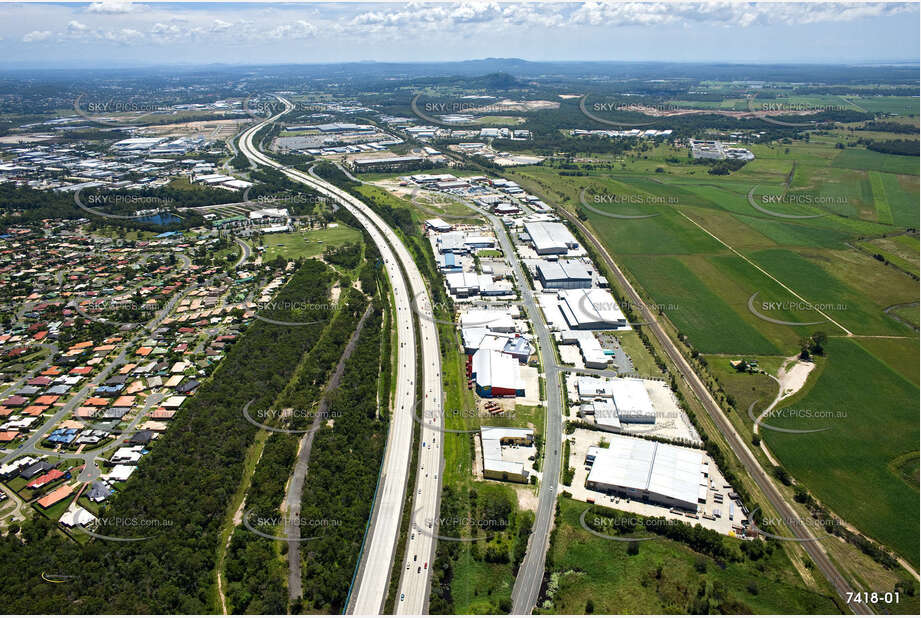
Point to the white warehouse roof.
(497, 370)
(632, 401)
(550, 236)
(590, 308)
(629, 397)
(491, 439)
(665, 471)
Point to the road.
(531, 571)
(415, 574)
(370, 588)
(244, 252)
(733, 438)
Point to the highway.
(736, 442)
(370, 588)
(415, 578)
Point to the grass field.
(861, 159)
(667, 577)
(883, 210)
(698, 308)
(309, 243)
(903, 251)
(848, 465)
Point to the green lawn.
(903, 251)
(698, 308)
(309, 243)
(883, 210)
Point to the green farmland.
(847, 466)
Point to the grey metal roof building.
(565, 274)
(550, 237)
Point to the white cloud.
(124, 36)
(36, 36)
(75, 27)
(300, 29)
(114, 7)
(220, 25)
(472, 28)
(734, 14)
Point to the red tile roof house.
(55, 496)
(45, 479)
(15, 401)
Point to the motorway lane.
(371, 584)
(413, 590)
(736, 442)
(415, 572)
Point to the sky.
(118, 33)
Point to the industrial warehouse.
(650, 471)
(550, 237)
(583, 309)
(616, 401)
(564, 274)
(498, 465)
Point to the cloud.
(117, 7)
(128, 23)
(36, 35)
(732, 14)
(75, 27)
(124, 36)
(299, 29)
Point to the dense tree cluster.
(342, 477)
(347, 255)
(904, 147)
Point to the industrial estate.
(470, 337)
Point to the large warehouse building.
(550, 237)
(592, 309)
(616, 400)
(565, 274)
(496, 374)
(649, 471)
